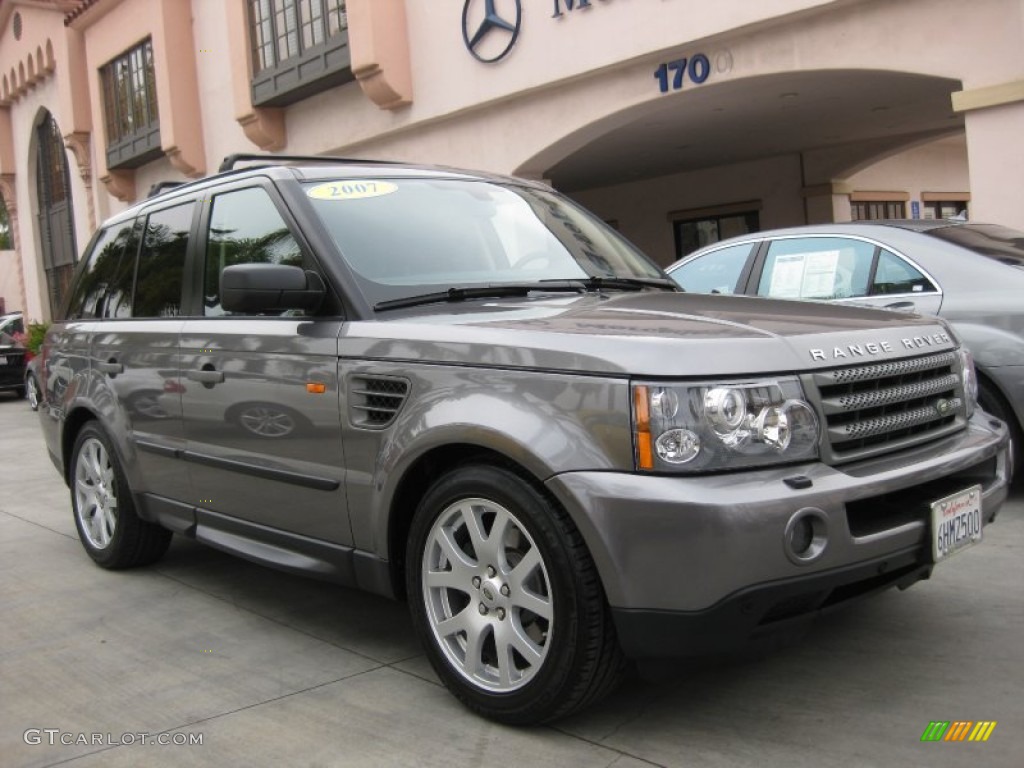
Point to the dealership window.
(868, 210)
(130, 108)
(299, 47)
(703, 226)
(944, 205)
(868, 206)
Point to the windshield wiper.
(462, 293)
(599, 282)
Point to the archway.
(55, 210)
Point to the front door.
(260, 395)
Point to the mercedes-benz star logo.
(478, 43)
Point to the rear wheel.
(110, 530)
(32, 391)
(506, 599)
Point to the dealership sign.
(491, 27)
(488, 33)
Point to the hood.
(647, 334)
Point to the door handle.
(903, 306)
(111, 367)
(207, 375)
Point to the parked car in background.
(12, 354)
(970, 274)
(32, 389)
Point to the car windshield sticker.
(353, 189)
(805, 275)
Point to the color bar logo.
(958, 730)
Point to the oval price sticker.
(351, 189)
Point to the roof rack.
(163, 186)
(229, 162)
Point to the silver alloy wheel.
(32, 391)
(95, 497)
(487, 594)
(266, 421)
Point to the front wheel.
(110, 530)
(506, 599)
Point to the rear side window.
(104, 286)
(894, 275)
(158, 285)
(715, 272)
(245, 228)
(816, 268)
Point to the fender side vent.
(374, 401)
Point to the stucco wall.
(939, 166)
(10, 289)
(641, 209)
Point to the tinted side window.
(245, 228)
(162, 263)
(102, 273)
(894, 275)
(118, 302)
(715, 272)
(816, 268)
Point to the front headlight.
(710, 426)
(970, 380)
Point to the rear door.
(843, 269)
(134, 350)
(260, 394)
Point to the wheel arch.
(73, 424)
(420, 475)
(989, 382)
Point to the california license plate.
(956, 523)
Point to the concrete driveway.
(270, 669)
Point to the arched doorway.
(56, 212)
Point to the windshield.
(996, 242)
(405, 237)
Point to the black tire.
(574, 658)
(991, 400)
(112, 533)
(32, 391)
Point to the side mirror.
(255, 288)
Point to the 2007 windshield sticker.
(353, 189)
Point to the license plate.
(3, 360)
(956, 523)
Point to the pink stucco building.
(676, 120)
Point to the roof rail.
(229, 162)
(163, 186)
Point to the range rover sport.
(464, 391)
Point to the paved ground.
(274, 670)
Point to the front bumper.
(690, 564)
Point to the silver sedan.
(969, 274)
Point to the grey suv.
(466, 392)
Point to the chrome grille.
(374, 401)
(881, 407)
